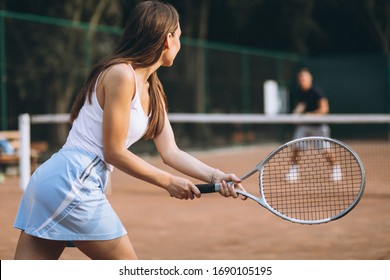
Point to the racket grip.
(208, 188)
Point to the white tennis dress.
(65, 198)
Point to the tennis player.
(121, 102)
(311, 100)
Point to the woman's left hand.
(229, 184)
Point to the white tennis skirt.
(65, 200)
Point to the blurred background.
(230, 48)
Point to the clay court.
(214, 227)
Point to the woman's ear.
(167, 43)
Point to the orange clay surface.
(214, 227)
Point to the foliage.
(301, 26)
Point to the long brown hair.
(141, 45)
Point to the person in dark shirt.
(311, 100)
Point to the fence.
(43, 64)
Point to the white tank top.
(86, 132)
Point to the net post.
(25, 153)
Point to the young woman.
(121, 102)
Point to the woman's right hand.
(182, 188)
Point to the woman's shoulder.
(121, 70)
(119, 78)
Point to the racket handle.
(208, 188)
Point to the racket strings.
(327, 180)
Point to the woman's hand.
(182, 188)
(229, 184)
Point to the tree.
(62, 91)
(270, 24)
(378, 18)
(48, 63)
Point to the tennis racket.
(310, 180)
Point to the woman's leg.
(33, 248)
(115, 249)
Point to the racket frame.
(207, 188)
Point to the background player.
(311, 100)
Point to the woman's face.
(172, 47)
